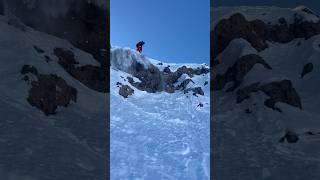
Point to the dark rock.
(306, 69)
(310, 133)
(309, 11)
(118, 84)
(278, 91)
(150, 78)
(160, 64)
(184, 84)
(237, 72)
(167, 70)
(205, 83)
(234, 27)
(93, 77)
(29, 69)
(281, 91)
(248, 111)
(66, 59)
(200, 105)
(256, 32)
(49, 92)
(126, 91)
(196, 90)
(169, 89)
(47, 58)
(25, 78)
(201, 71)
(282, 21)
(185, 70)
(290, 136)
(38, 49)
(245, 92)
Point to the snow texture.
(247, 143)
(37, 147)
(158, 135)
(264, 13)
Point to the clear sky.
(312, 4)
(174, 30)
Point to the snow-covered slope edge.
(266, 93)
(157, 133)
(68, 142)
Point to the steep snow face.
(248, 137)
(159, 135)
(73, 138)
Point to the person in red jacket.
(139, 46)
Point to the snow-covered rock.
(52, 124)
(266, 113)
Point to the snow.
(72, 132)
(159, 135)
(248, 144)
(265, 13)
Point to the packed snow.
(158, 135)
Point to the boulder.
(126, 91)
(49, 92)
(238, 71)
(307, 68)
(93, 77)
(29, 69)
(281, 91)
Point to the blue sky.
(174, 30)
(312, 4)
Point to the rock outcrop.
(29, 69)
(281, 91)
(126, 91)
(307, 68)
(290, 137)
(278, 91)
(238, 71)
(257, 32)
(49, 91)
(93, 77)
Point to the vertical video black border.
(213, 122)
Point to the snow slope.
(68, 145)
(158, 135)
(248, 133)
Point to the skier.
(139, 46)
